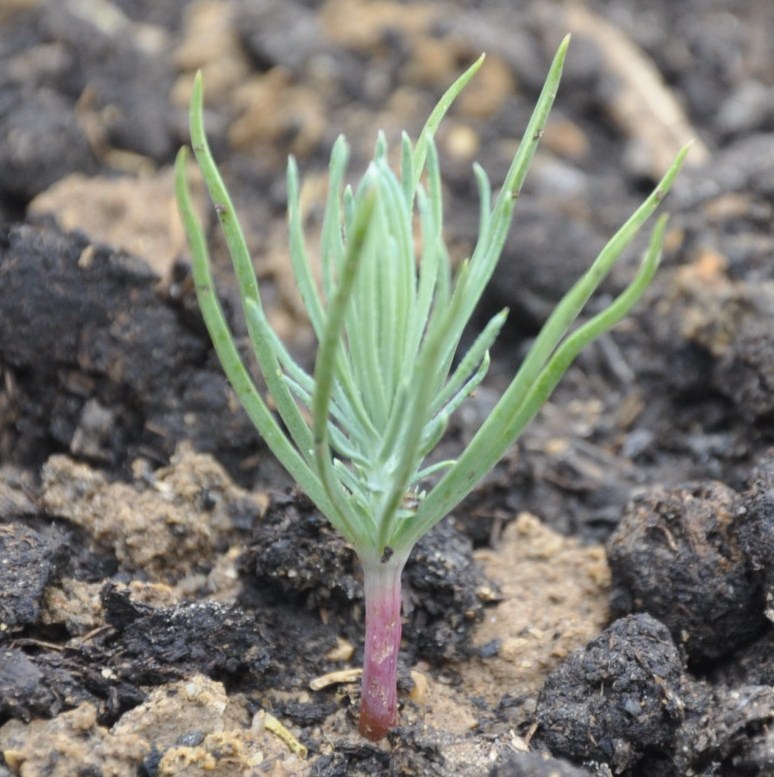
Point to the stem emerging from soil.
(355, 434)
(378, 703)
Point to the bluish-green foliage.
(356, 433)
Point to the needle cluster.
(356, 433)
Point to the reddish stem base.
(378, 705)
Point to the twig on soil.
(265, 720)
(343, 676)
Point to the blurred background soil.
(602, 604)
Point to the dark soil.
(171, 604)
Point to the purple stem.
(378, 701)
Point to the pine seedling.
(355, 434)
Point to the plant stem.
(378, 702)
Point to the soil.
(171, 605)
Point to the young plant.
(355, 434)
